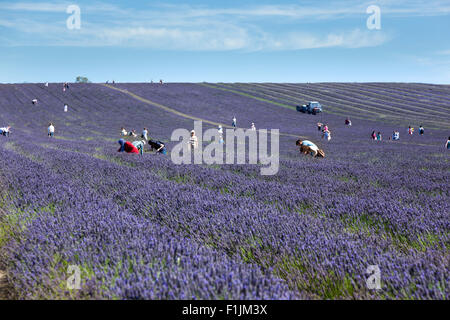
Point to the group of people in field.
(396, 134)
(138, 146)
(326, 133)
(376, 136)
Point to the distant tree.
(82, 80)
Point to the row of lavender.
(56, 221)
(351, 100)
(241, 227)
(350, 215)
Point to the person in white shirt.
(123, 132)
(233, 124)
(46, 84)
(51, 130)
(66, 107)
(34, 101)
(220, 130)
(193, 141)
(5, 131)
(396, 135)
(253, 128)
(144, 134)
(307, 146)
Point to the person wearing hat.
(193, 140)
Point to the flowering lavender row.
(191, 211)
(121, 255)
(317, 225)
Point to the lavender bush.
(144, 228)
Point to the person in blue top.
(379, 136)
(447, 145)
(307, 143)
(140, 146)
(307, 146)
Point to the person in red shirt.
(126, 146)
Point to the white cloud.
(34, 6)
(352, 39)
(185, 27)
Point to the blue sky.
(225, 41)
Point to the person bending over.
(158, 146)
(308, 147)
(127, 146)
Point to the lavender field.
(145, 228)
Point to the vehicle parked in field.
(312, 107)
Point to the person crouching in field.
(158, 146)
(5, 131)
(132, 133)
(34, 101)
(123, 132)
(128, 147)
(140, 146)
(307, 147)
